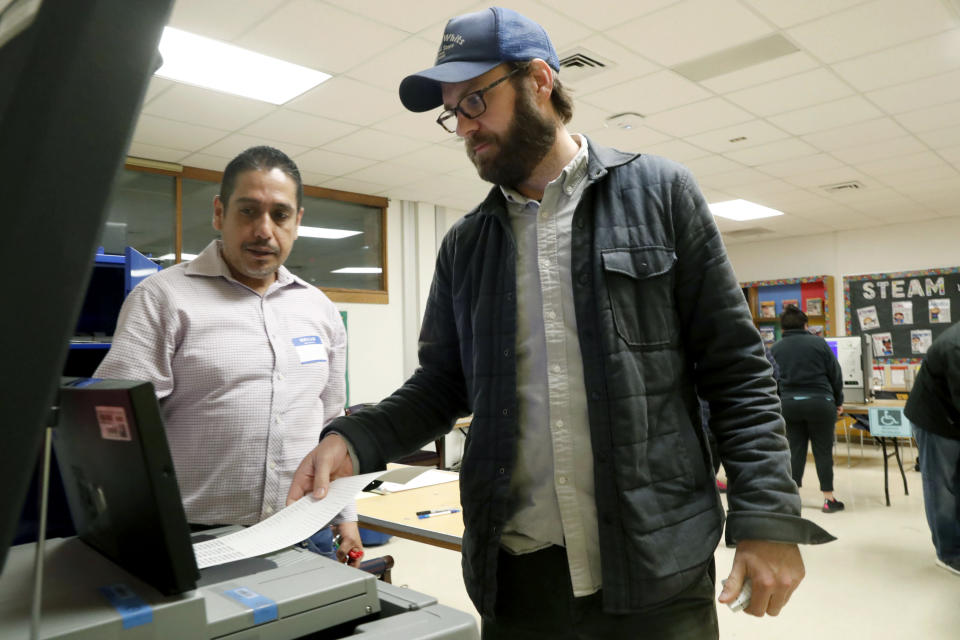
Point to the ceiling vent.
(745, 233)
(843, 187)
(582, 63)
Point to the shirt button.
(562, 479)
(559, 424)
(279, 376)
(555, 368)
(551, 315)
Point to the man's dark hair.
(560, 98)
(261, 158)
(792, 318)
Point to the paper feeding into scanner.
(293, 524)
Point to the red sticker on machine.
(113, 423)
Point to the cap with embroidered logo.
(473, 44)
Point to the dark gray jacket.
(934, 401)
(658, 310)
(807, 366)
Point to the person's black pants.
(811, 418)
(535, 600)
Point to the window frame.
(336, 294)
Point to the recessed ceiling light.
(626, 121)
(183, 256)
(328, 234)
(742, 210)
(211, 64)
(358, 270)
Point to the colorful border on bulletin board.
(827, 295)
(769, 283)
(848, 316)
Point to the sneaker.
(721, 486)
(831, 506)
(951, 569)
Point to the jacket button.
(582, 278)
(501, 471)
(506, 353)
(580, 223)
(505, 412)
(594, 395)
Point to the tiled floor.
(877, 581)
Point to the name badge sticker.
(113, 423)
(310, 349)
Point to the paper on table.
(425, 479)
(287, 527)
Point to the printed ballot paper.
(296, 522)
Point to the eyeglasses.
(471, 106)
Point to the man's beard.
(526, 142)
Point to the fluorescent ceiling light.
(210, 64)
(329, 234)
(183, 256)
(742, 210)
(358, 270)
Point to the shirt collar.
(210, 263)
(569, 179)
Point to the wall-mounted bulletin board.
(903, 312)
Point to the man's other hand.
(775, 569)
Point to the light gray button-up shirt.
(246, 382)
(553, 481)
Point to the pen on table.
(429, 513)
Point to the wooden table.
(857, 411)
(396, 514)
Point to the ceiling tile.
(436, 158)
(388, 174)
(586, 117)
(647, 95)
(352, 185)
(194, 105)
(801, 165)
(422, 126)
(772, 152)
(332, 164)
(802, 90)
(828, 115)
(153, 152)
(786, 13)
(952, 154)
(234, 144)
(636, 140)
(928, 92)
(941, 138)
(872, 26)
(206, 161)
(942, 115)
(818, 180)
(729, 179)
(891, 148)
(376, 145)
(161, 132)
(616, 13)
(320, 36)
(856, 134)
(298, 128)
(709, 165)
(756, 132)
(408, 16)
(220, 19)
(346, 99)
(758, 190)
(911, 61)
(689, 30)
(676, 150)
(313, 178)
(387, 69)
(901, 163)
(156, 87)
(782, 67)
(899, 179)
(698, 117)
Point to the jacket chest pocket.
(639, 284)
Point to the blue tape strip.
(132, 609)
(264, 609)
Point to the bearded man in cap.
(577, 312)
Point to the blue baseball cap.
(473, 44)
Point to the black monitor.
(72, 78)
(119, 479)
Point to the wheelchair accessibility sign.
(890, 422)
